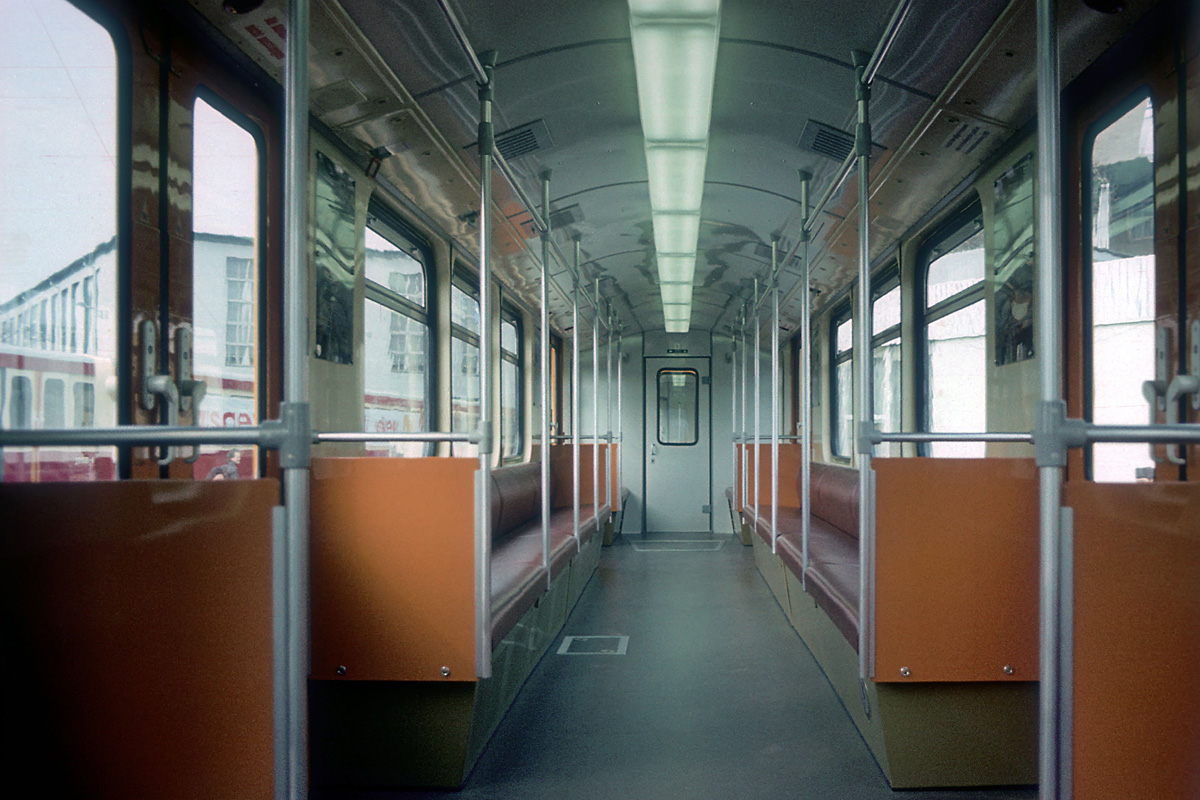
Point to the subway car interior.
(622, 399)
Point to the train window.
(678, 407)
(397, 380)
(58, 268)
(955, 367)
(1121, 267)
(464, 363)
(885, 349)
(20, 404)
(510, 385)
(841, 383)
(85, 405)
(225, 257)
(53, 403)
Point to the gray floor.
(717, 697)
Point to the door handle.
(1152, 391)
(1181, 386)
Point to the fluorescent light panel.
(675, 55)
(676, 233)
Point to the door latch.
(155, 385)
(1181, 386)
(1155, 391)
(191, 392)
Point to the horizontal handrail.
(879, 437)
(269, 434)
(475, 437)
(1142, 434)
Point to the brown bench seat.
(518, 574)
(833, 573)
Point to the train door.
(678, 450)
(139, 606)
(1134, 356)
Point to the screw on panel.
(341, 670)
(1008, 670)
(905, 672)
(445, 672)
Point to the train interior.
(452, 398)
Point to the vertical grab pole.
(608, 412)
(1056, 590)
(483, 541)
(290, 568)
(805, 382)
(544, 366)
(864, 397)
(620, 418)
(745, 397)
(575, 426)
(733, 409)
(757, 407)
(773, 342)
(596, 406)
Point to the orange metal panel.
(393, 568)
(789, 468)
(136, 627)
(1137, 639)
(956, 585)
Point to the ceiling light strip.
(675, 56)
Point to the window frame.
(841, 314)
(509, 314)
(466, 281)
(384, 222)
(887, 280)
(927, 254)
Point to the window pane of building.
(845, 335)
(394, 380)
(508, 336)
(956, 376)
(1123, 286)
(58, 266)
(225, 221)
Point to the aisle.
(715, 696)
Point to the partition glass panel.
(225, 302)
(510, 386)
(678, 406)
(842, 384)
(1122, 290)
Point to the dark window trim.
(695, 406)
(925, 315)
(839, 315)
(1117, 110)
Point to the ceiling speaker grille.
(967, 137)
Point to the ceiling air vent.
(966, 137)
(521, 140)
(826, 140)
(335, 96)
(562, 218)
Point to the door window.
(678, 406)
